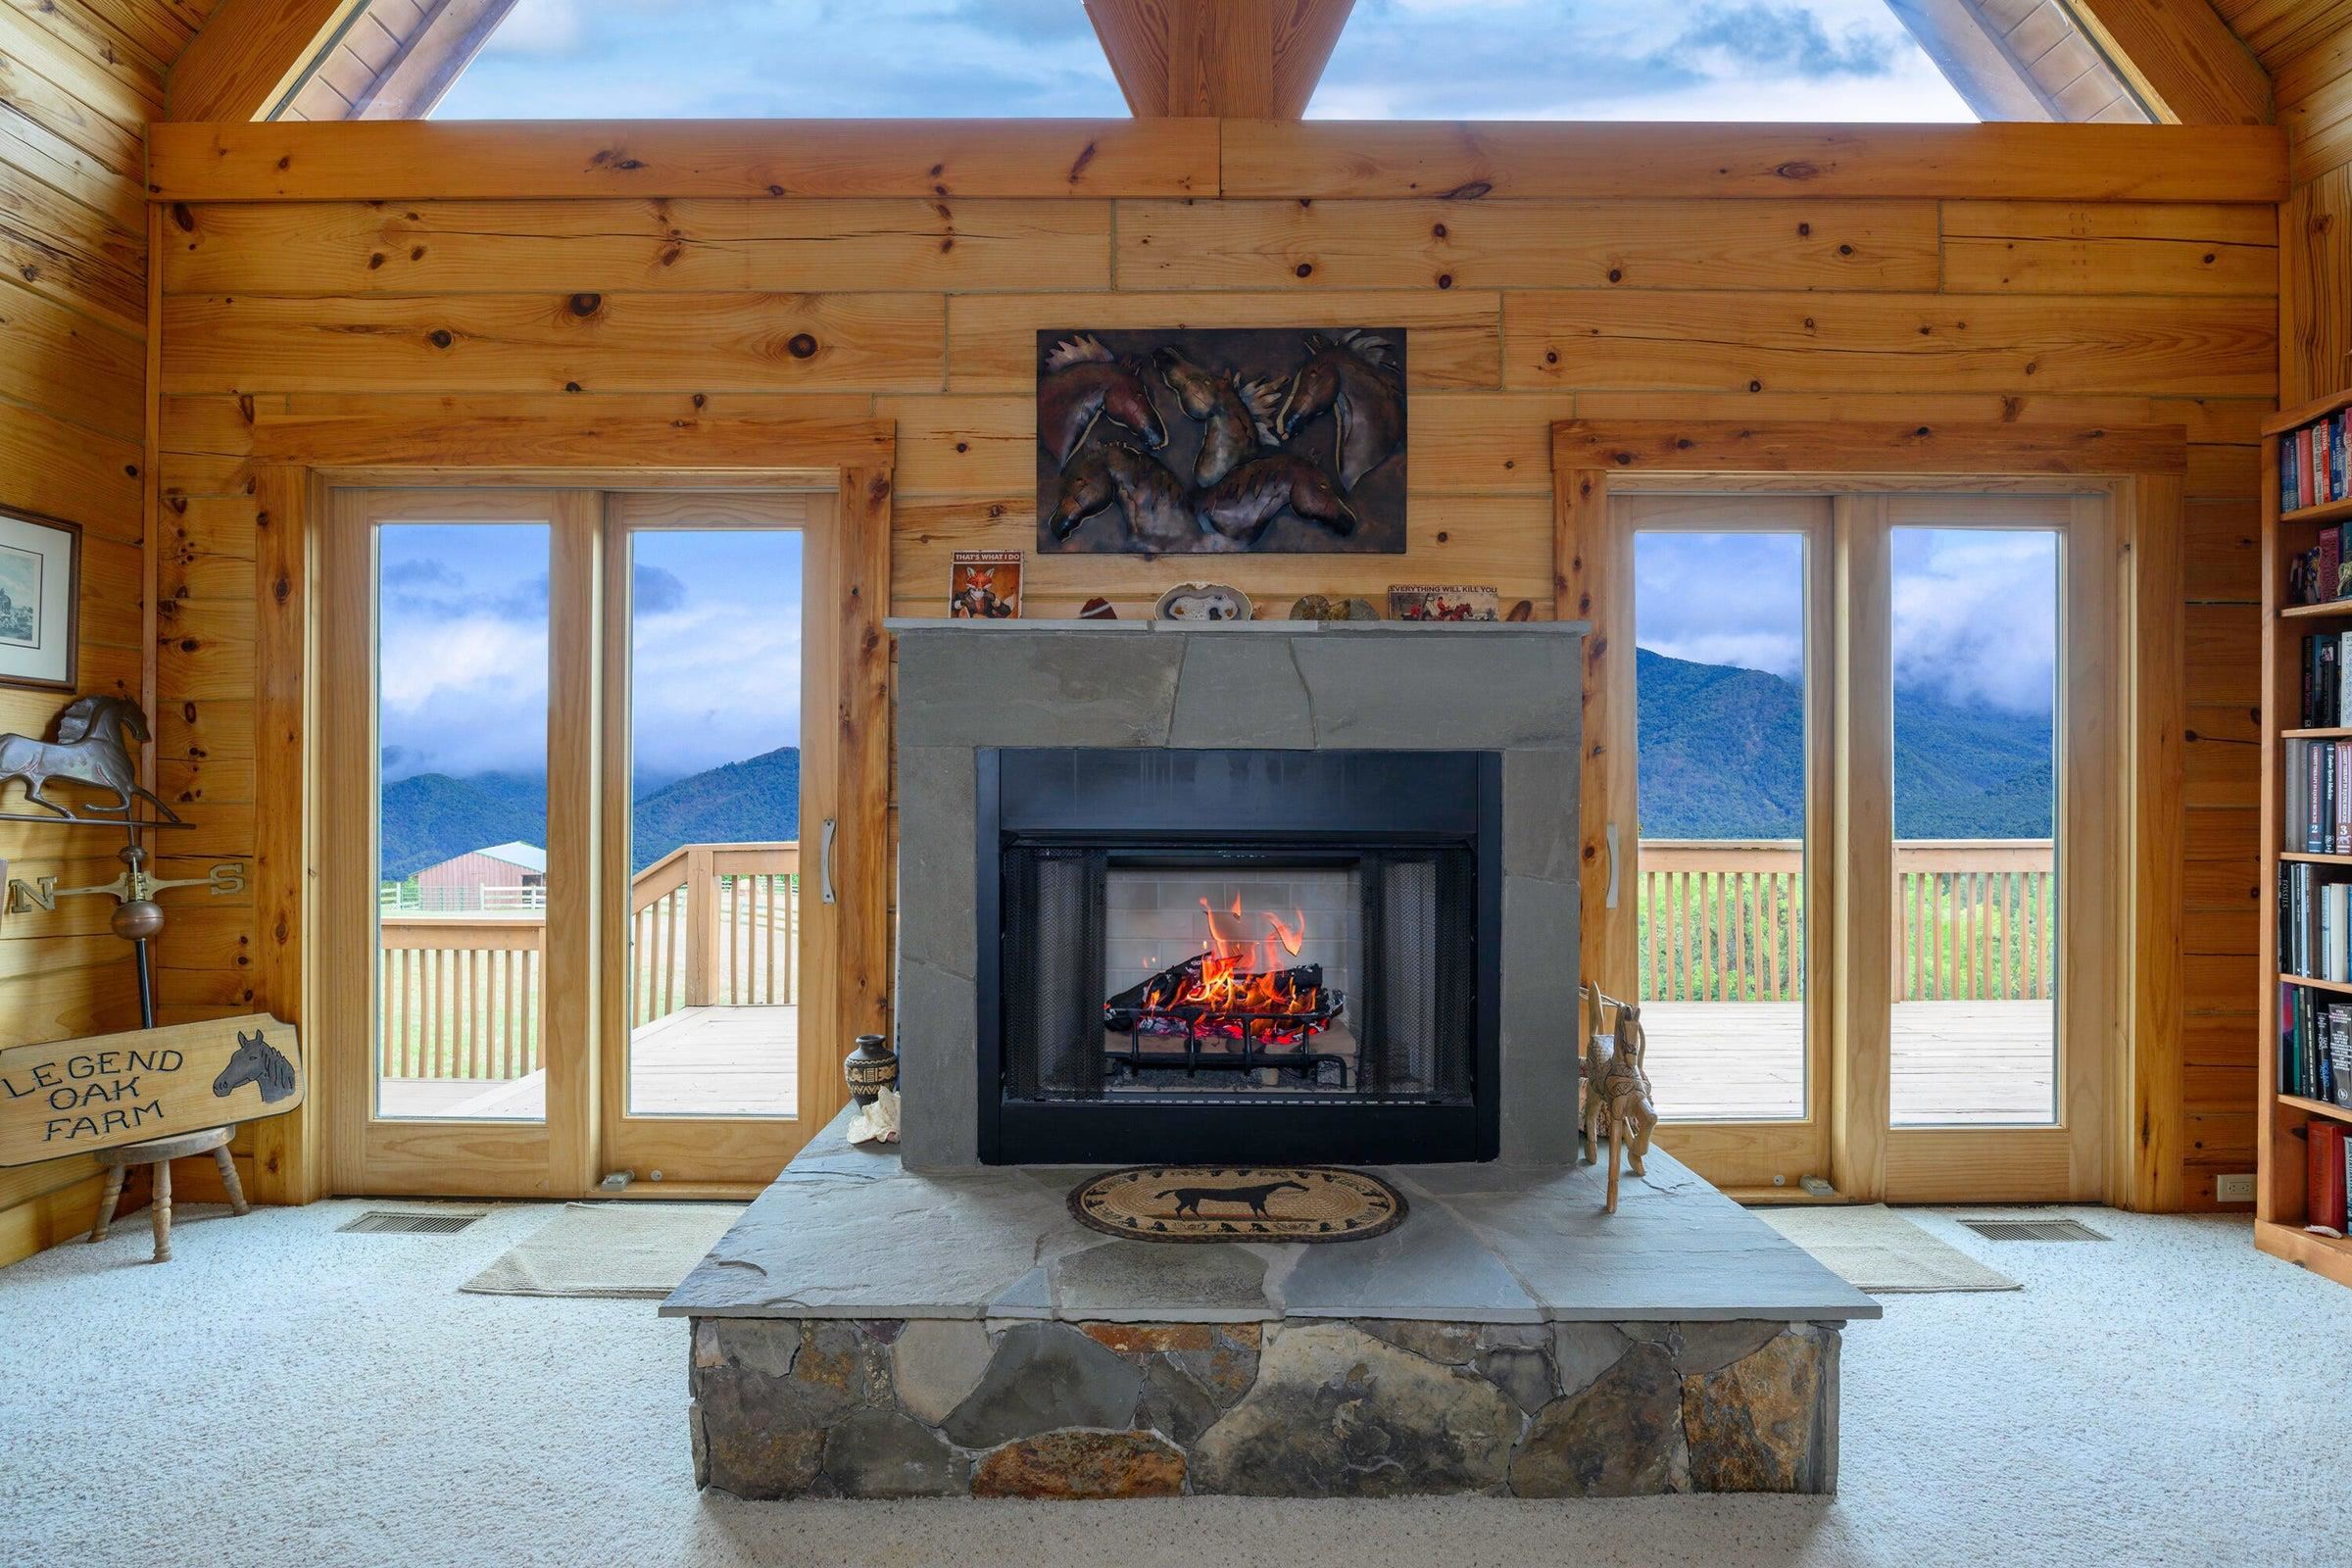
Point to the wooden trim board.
(1312, 160)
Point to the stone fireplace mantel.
(1509, 689)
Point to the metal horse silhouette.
(1353, 375)
(255, 1061)
(88, 750)
(1083, 381)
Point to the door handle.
(1611, 833)
(824, 865)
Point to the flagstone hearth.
(868, 1331)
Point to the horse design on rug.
(88, 750)
(255, 1061)
(1190, 1199)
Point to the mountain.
(428, 817)
(1723, 749)
(758, 799)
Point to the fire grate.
(2033, 1230)
(392, 1222)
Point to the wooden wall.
(78, 81)
(1871, 291)
(2313, 72)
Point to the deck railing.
(710, 925)
(1724, 920)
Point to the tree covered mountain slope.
(1723, 752)
(430, 817)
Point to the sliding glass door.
(1862, 888)
(571, 928)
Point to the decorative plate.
(1238, 1203)
(1203, 602)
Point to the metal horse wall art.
(1201, 441)
(88, 750)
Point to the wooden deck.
(697, 1061)
(1956, 1063)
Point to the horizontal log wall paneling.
(2019, 275)
(79, 78)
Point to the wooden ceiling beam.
(1232, 59)
(249, 54)
(2181, 59)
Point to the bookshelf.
(2281, 1128)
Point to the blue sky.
(1825, 60)
(715, 648)
(1975, 609)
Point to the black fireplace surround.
(1371, 881)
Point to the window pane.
(1806, 59)
(714, 731)
(1719, 677)
(1975, 688)
(461, 719)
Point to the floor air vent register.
(2033, 1230)
(387, 1222)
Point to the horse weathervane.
(89, 751)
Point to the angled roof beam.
(431, 45)
(249, 55)
(2180, 58)
(1239, 59)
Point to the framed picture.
(1179, 441)
(40, 599)
(985, 585)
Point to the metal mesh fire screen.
(1327, 975)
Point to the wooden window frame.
(2134, 1158)
(298, 461)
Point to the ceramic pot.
(870, 1068)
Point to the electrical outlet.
(2233, 1189)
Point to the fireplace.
(1238, 955)
(1397, 799)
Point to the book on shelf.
(2312, 464)
(2324, 1184)
(2326, 681)
(2319, 796)
(2315, 1045)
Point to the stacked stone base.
(896, 1407)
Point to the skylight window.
(1755, 60)
(780, 59)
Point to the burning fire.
(1238, 987)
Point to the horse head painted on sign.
(1243, 504)
(88, 750)
(256, 1061)
(1083, 381)
(1236, 416)
(1353, 376)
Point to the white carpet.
(283, 1394)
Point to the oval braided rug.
(1238, 1203)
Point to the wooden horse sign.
(74, 1096)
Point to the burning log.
(1211, 996)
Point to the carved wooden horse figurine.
(1617, 1091)
(88, 750)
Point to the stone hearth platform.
(869, 1331)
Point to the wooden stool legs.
(157, 1154)
(162, 1209)
(106, 1204)
(228, 1179)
